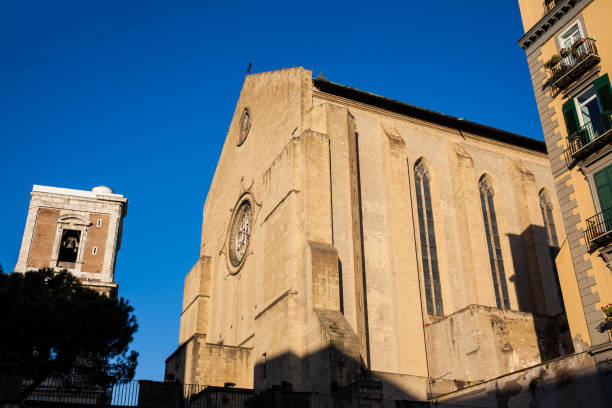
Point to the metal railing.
(588, 134)
(599, 227)
(125, 394)
(72, 390)
(310, 400)
(77, 392)
(572, 62)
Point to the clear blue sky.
(138, 95)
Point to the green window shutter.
(604, 92)
(603, 184)
(571, 117)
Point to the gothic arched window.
(493, 244)
(549, 221)
(429, 255)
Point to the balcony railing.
(590, 137)
(572, 62)
(599, 228)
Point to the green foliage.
(52, 325)
(552, 61)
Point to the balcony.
(572, 63)
(599, 228)
(589, 138)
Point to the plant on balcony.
(607, 310)
(578, 43)
(565, 52)
(554, 60)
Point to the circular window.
(245, 125)
(240, 233)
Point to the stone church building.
(346, 235)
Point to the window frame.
(578, 105)
(491, 225)
(425, 217)
(590, 169)
(576, 23)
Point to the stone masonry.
(321, 283)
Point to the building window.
(429, 256)
(240, 233)
(245, 125)
(99, 223)
(599, 226)
(94, 251)
(589, 114)
(603, 185)
(69, 246)
(569, 37)
(495, 253)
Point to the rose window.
(240, 233)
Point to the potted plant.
(578, 42)
(564, 52)
(607, 310)
(554, 60)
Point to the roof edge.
(406, 109)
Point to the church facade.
(346, 235)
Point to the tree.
(53, 326)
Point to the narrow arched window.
(495, 254)
(549, 221)
(429, 255)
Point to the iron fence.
(78, 392)
(125, 394)
(73, 390)
(337, 401)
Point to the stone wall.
(44, 235)
(479, 343)
(197, 362)
(570, 381)
(196, 295)
(97, 237)
(333, 257)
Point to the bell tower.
(76, 230)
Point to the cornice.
(461, 135)
(551, 22)
(459, 124)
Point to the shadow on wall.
(570, 381)
(538, 290)
(332, 372)
(327, 371)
